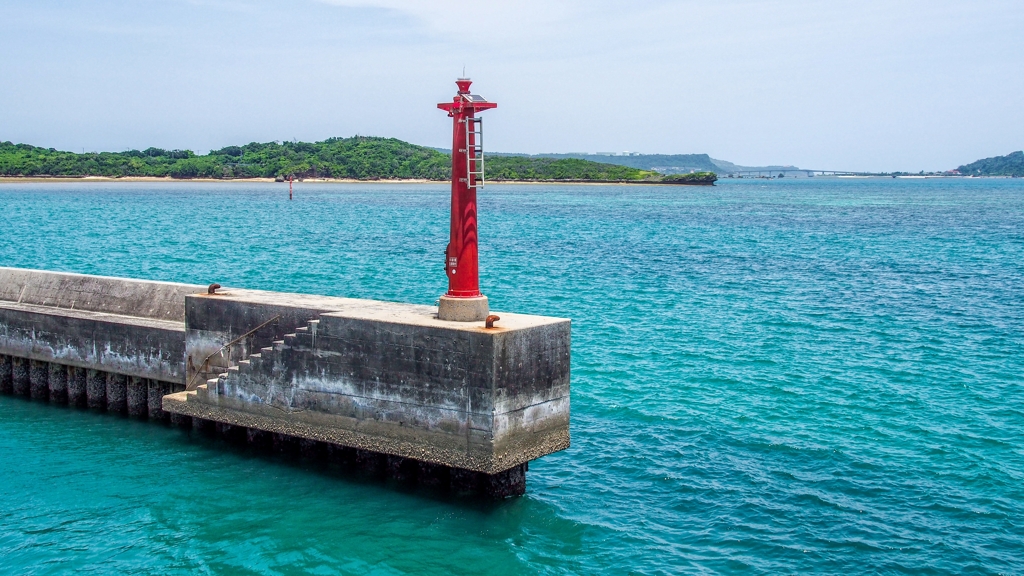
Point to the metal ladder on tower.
(474, 152)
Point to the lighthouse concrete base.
(463, 309)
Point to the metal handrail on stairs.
(206, 363)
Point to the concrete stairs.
(266, 364)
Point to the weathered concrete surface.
(6, 383)
(131, 346)
(155, 391)
(79, 387)
(118, 325)
(58, 382)
(212, 324)
(19, 376)
(77, 379)
(391, 384)
(38, 377)
(463, 309)
(119, 296)
(117, 393)
(96, 389)
(137, 397)
(511, 482)
(383, 377)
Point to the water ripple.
(793, 377)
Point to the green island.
(1010, 165)
(357, 158)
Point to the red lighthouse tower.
(463, 302)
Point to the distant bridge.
(810, 173)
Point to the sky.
(833, 85)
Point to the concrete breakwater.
(384, 385)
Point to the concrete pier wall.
(85, 388)
(384, 386)
(384, 377)
(128, 327)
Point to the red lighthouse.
(463, 301)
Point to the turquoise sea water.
(768, 377)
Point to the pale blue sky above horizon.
(865, 85)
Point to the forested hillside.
(359, 157)
(1010, 165)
